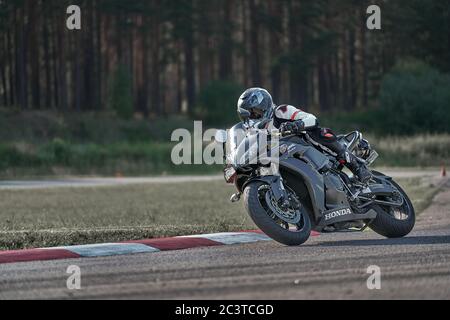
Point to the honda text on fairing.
(308, 189)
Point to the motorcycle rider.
(256, 105)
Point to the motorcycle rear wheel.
(395, 223)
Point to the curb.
(134, 247)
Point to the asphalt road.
(82, 182)
(74, 182)
(329, 266)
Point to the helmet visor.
(256, 113)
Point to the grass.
(35, 218)
(40, 127)
(414, 151)
(37, 143)
(63, 158)
(43, 143)
(54, 217)
(421, 192)
(60, 157)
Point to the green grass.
(54, 217)
(62, 158)
(414, 151)
(421, 192)
(35, 218)
(41, 127)
(44, 143)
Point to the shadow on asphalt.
(424, 240)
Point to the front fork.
(278, 190)
(270, 176)
(276, 186)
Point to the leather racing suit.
(287, 113)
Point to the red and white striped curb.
(133, 247)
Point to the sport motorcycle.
(298, 186)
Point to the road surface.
(98, 182)
(73, 182)
(331, 266)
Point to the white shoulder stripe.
(288, 112)
(285, 112)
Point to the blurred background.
(104, 100)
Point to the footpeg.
(235, 197)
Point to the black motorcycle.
(309, 190)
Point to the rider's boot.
(357, 168)
(330, 140)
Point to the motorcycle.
(308, 188)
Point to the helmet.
(255, 104)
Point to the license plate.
(373, 156)
(230, 174)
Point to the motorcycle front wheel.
(290, 227)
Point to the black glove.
(293, 127)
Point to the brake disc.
(290, 216)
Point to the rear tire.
(388, 226)
(261, 218)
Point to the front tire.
(255, 206)
(387, 222)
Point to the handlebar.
(282, 134)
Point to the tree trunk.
(189, 69)
(254, 51)
(47, 64)
(89, 70)
(62, 70)
(298, 69)
(55, 55)
(98, 54)
(155, 81)
(324, 88)
(3, 66)
(275, 10)
(226, 47)
(77, 74)
(345, 73)
(11, 78)
(4, 88)
(352, 65)
(363, 57)
(33, 29)
(21, 67)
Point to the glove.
(293, 127)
